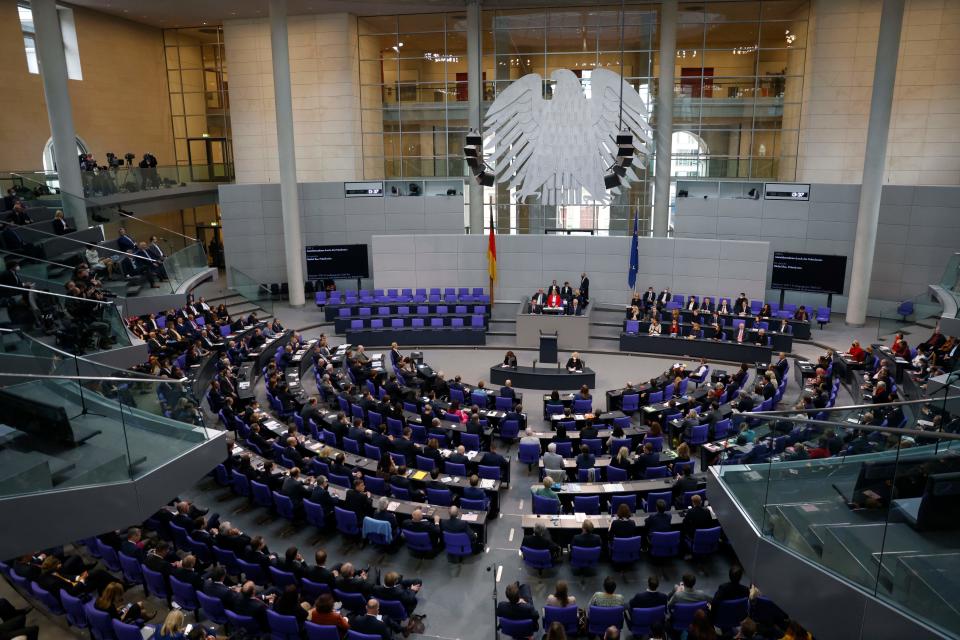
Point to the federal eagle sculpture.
(558, 148)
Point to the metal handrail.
(39, 376)
(900, 403)
(945, 435)
(33, 259)
(58, 295)
(90, 203)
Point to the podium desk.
(545, 377)
(573, 332)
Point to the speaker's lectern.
(548, 348)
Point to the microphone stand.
(496, 625)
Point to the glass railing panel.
(185, 263)
(880, 512)
(252, 291)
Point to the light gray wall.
(918, 232)
(253, 231)
(525, 262)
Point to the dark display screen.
(808, 272)
(337, 261)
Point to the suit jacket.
(188, 576)
(519, 611)
(60, 226)
(320, 575)
(731, 591)
(369, 625)
(507, 392)
(648, 600)
(552, 461)
(458, 526)
(623, 528)
(359, 503)
(125, 244)
(586, 540)
(696, 518)
(658, 522)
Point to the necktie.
(740, 335)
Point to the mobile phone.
(188, 629)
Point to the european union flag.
(634, 253)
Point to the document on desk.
(486, 483)
(580, 517)
(244, 385)
(572, 487)
(446, 479)
(612, 487)
(471, 454)
(419, 475)
(469, 517)
(393, 506)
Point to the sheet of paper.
(393, 506)
(486, 483)
(810, 508)
(469, 517)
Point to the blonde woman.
(174, 626)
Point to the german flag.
(492, 254)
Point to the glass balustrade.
(125, 179)
(252, 291)
(122, 273)
(880, 512)
(63, 429)
(76, 325)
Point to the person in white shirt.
(97, 263)
(741, 332)
(701, 369)
(655, 328)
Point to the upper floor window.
(68, 32)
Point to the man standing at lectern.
(575, 363)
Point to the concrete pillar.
(664, 128)
(53, 72)
(289, 196)
(474, 100)
(874, 160)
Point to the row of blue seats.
(590, 505)
(455, 322)
(421, 310)
(450, 294)
(679, 301)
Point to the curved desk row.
(709, 349)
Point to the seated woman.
(765, 311)
(554, 301)
(655, 328)
(623, 525)
(683, 454)
(510, 359)
(111, 601)
(856, 352)
(674, 328)
(633, 313)
(323, 614)
(622, 461)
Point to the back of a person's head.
(623, 511)
(661, 506)
(736, 574)
(653, 582)
(513, 593)
(689, 580)
(556, 631)
(587, 526)
(324, 603)
(609, 584)
(797, 630)
(748, 629)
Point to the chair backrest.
(664, 544)
(682, 614)
(73, 607)
(48, 600)
(517, 628)
(99, 621)
(321, 631)
(536, 558)
(212, 608)
(641, 620)
(581, 557)
(131, 568)
(418, 540)
(567, 616)
(545, 506)
(651, 501)
(589, 505)
(630, 402)
(457, 544)
(124, 631)
(282, 627)
(346, 521)
(237, 621)
(629, 499)
(705, 540)
(599, 619)
(616, 474)
(281, 578)
(727, 614)
(184, 594)
(156, 584)
(625, 550)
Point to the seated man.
(538, 301)
(518, 605)
(541, 540)
(371, 622)
(455, 525)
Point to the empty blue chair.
(417, 323)
(642, 620)
(376, 323)
(584, 557)
(109, 555)
(704, 541)
(284, 506)
(488, 472)
(565, 449)
(698, 435)
(425, 464)
(155, 583)
(212, 608)
(589, 505)
(474, 505)
(502, 403)
(184, 595)
(470, 441)
(393, 609)
(656, 441)
(567, 616)
(457, 545)
(599, 619)
(124, 631)
(356, 324)
(538, 559)
(246, 623)
(650, 502)
(309, 590)
(664, 544)
(545, 506)
(823, 315)
(346, 522)
(681, 615)
(477, 321)
(630, 402)
(656, 397)
(582, 406)
(281, 578)
(395, 323)
(454, 468)
(517, 629)
(131, 569)
(633, 326)
(282, 627)
(629, 499)
(73, 608)
(625, 550)
(47, 599)
(529, 453)
(436, 322)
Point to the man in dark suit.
(187, 573)
(664, 297)
(491, 458)
(294, 489)
(459, 456)
(584, 287)
(780, 368)
(417, 524)
(698, 517)
(732, 590)
(159, 559)
(370, 623)
(651, 597)
(649, 298)
(684, 482)
(745, 402)
(319, 572)
(215, 587)
(518, 605)
(574, 308)
(586, 538)
(403, 591)
(537, 301)
(648, 458)
(659, 521)
(145, 265)
(350, 582)
(248, 604)
(124, 242)
(311, 411)
(321, 495)
(455, 525)
(358, 500)
(506, 391)
(291, 453)
(540, 540)
(133, 545)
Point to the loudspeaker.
(486, 179)
(611, 180)
(474, 139)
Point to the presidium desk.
(573, 332)
(709, 349)
(545, 377)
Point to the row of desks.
(563, 528)
(778, 341)
(697, 348)
(402, 509)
